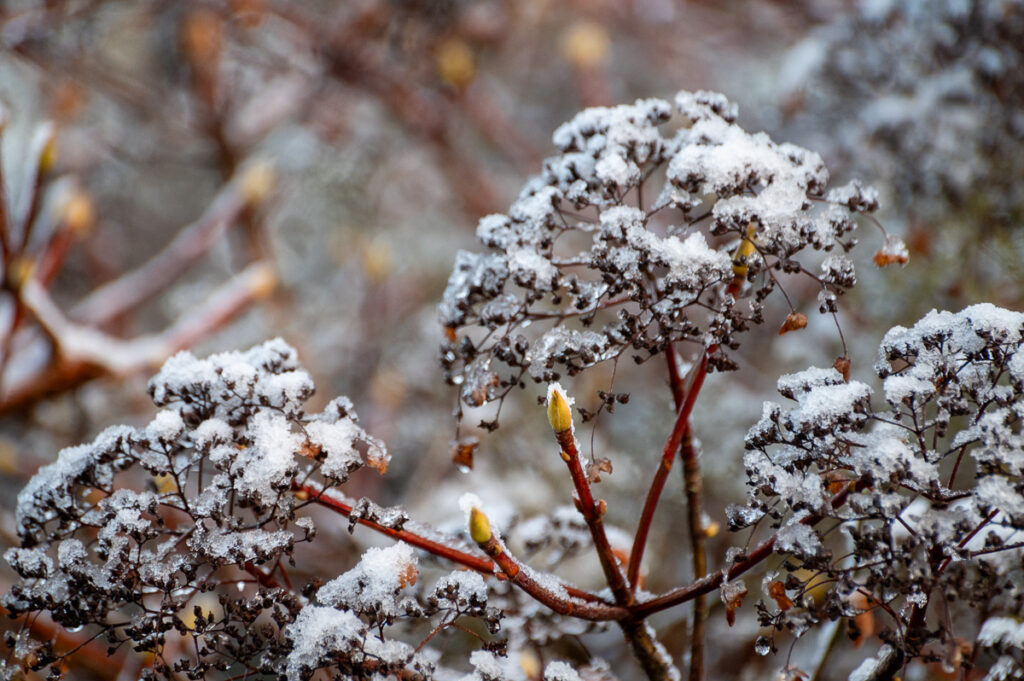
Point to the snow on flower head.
(580, 271)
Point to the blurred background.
(208, 174)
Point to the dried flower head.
(597, 263)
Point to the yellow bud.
(585, 44)
(744, 251)
(165, 483)
(530, 664)
(256, 181)
(455, 63)
(559, 412)
(479, 526)
(20, 270)
(48, 153)
(78, 213)
(261, 279)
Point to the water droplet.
(241, 586)
(464, 469)
(457, 380)
(74, 630)
(762, 646)
(526, 323)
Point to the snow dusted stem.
(473, 562)
(652, 657)
(525, 579)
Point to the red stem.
(668, 455)
(714, 580)
(524, 578)
(592, 515)
(473, 562)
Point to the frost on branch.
(625, 243)
(217, 468)
(927, 493)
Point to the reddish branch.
(647, 651)
(132, 289)
(668, 454)
(83, 352)
(711, 582)
(523, 577)
(89, 651)
(440, 549)
(592, 513)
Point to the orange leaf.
(794, 322)
(462, 452)
(777, 590)
(842, 365)
(734, 600)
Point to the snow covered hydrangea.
(628, 239)
(128, 532)
(927, 493)
(925, 96)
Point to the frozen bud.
(455, 63)
(559, 409)
(20, 271)
(479, 526)
(585, 44)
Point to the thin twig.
(130, 290)
(523, 577)
(437, 548)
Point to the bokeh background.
(208, 174)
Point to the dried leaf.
(777, 590)
(842, 365)
(794, 322)
(598, 466)
(407, 575)
(462, 452)
(862, 626)
(732, 594)
(378, 463)
(310, 450)
(894, 252)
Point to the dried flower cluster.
(217, 467)
(582, 254)
(928, 493)
(925, 97)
